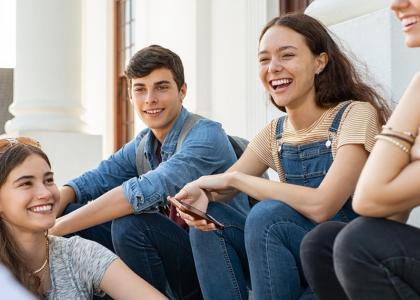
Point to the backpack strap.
(142, 163)
(189, 123)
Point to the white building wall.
(379, 44)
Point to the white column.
(48, 66)
(371, 31)
(47, 84)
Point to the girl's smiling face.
(29, 197)
(288, 67)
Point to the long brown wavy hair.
(339, 81)
(10, 254)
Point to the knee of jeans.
(353, 241)
(123, 229)
(264, 212)
(261, 218)
(319, 239)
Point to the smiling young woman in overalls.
(318, 150)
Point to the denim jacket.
(206, 150)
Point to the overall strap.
(337, 120)
(189, 123)
(280, 127)
(142, 164)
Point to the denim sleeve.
(206, 150)
(112, 172)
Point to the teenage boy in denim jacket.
(149, 242)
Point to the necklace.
(47, 244)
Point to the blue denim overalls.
(308, 164)
(271, 233)
(274, 230)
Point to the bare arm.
(318, 204)
(121, 283)
(111, 205)
(248, 163)
(389, 184)
(216, 187)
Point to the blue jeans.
(220, 256)
(271, 235)
(155, 248)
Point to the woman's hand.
(203, 190)
(191, 194)
(192, 221)
(199, 193)
(194, 195)
(219, 187)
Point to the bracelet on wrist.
(399, 137)
(400, 132)
(394, 142)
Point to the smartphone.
(198, 214)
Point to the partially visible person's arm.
(67, 196)
(318, 204)
(109, 206)
(216, 187)
(103, 182)
(248, 163)
(110, 173)
(120, 282)
(389, 183)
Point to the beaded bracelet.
(402, 138)
(394, 142)
(406, 133)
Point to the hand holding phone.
(196, 213)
